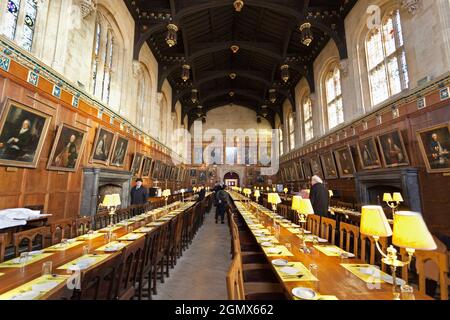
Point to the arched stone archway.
(231, 179)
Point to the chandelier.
(171, 37)
(238, 5)
(185, 73)
(306, 34)
(285, 72)
(194, 96)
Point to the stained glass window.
(335, 108)
(308, 119)
(386, 59)
(96, 55)
(29, 24)
(291, 124)
(12, 14)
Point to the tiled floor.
(200, 274)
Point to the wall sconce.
(171, 37)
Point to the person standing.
(221, 205)
(201, 194)
(139, 193)
(319, 196)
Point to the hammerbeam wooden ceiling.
(268, 36)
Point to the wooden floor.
(200, 274)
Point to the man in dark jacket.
(139, 193)
(201, 194)
(319, 196)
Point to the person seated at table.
(139, 193)
(319, 196)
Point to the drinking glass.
(407, 292)
(64, 242)
(47, 268)
(315, 240)
(86, 250)
(130, 228)
(113, 237)
(23, 259)
(288, 246)
(314, 269)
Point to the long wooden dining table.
(13, 277)
(336, 281)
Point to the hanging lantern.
(306, 34)
(194, 96)
(272, 95)
(186, 72)
(285, 72)
(238, 5)
(171, 37)
(231, 94)
(234, 48)
(233, 76)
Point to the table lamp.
(274, 199)
(194, 189)
(286, 190)
(166, 193)
(111, 201)
(182, 194)
(303, 208)
(330, 192)
(267, 189)
(410, 232)
(393, 201)
(257, 194)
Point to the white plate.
(280, 262)
(304, 293)
(323, 240)
(347, 255)
(267, 244)
(265, 239)
(290, 271)
(274, 251)
(46, 286)
(306, 232)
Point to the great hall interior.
(224, 150)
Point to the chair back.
(328, 229)
(83, 225)
(3, 239)
(235, 280)
(130, 268)
(349, 231)
(369, 242)
(101, 220)
(99, 283)
(313, 224)
(62, 229)
(33, 239)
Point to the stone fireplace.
(371, 185)
(98, 182)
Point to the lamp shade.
(387, 197)
(166, 193)
(194, 189)
(182, 191)
(267, 188)
(330, 192)
(111, 200)
(374, 222)
(410, 231)
(247, 191)
(397, 196)
(286, 190)
(302, 206)
(273, 198)
(257, 194)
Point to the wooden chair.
(3, 239)
(131, 265)
(239, 290)
(366, 242)
(145, 276)
(101, 220)
(440, 260)
(63, 229)
(282, 210)
(348, 231)
(328, 229)
(83, 225)
(99, 283)
(159, 254)
(31, 238)
(313, 224)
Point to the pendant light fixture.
(171, 37)
(272, 95)
(186, 72)
(306, 34)
(194, 96)
(285, 72)
(238, 5)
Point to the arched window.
(308, 118)
(280, 137)
(102, 60)
(20, 22)
(291, 130)
(142, 86)
(335, 110)
(386, 59)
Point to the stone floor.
(200, 274)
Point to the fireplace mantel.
(405, 179)
(94, 178)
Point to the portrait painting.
(329, 166)
(202, 176)
(345, 163)
(393, 151)
(434, 146)
(156, 170)
(193, 182)
(307, 169)
(192, 173)
(67, 149)
(146, 168)
(299, 171)
(22, 135)
(368, 154)
(137, 164)
(119, 152)
(103, 144)
(316, 167)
